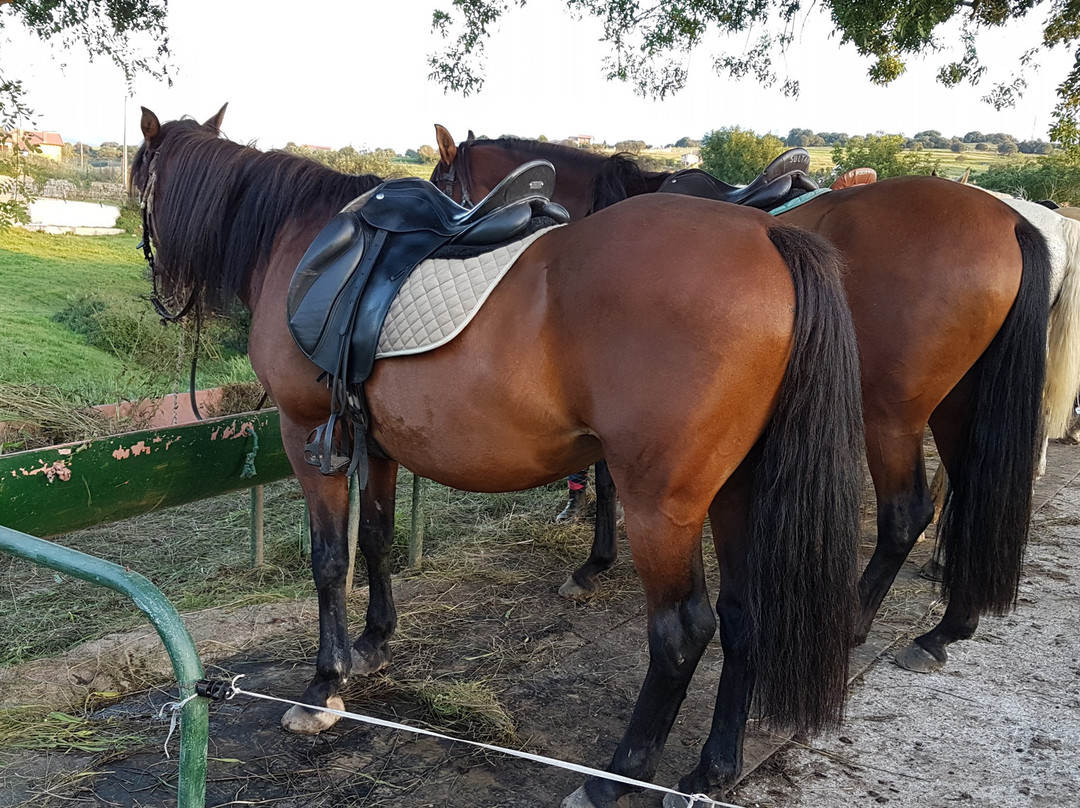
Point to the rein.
(146, 204)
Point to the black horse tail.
(805, 523)
(984, 526)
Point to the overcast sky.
(342, 72)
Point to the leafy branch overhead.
(650, 41)
(130, 33)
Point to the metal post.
(354, 529)
(416, 529)
(191, 790)
(258, 509)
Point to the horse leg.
(582, 583)
(928, 652)
(371, 652)
(722, 755)
(681, 623)
(328, 505)
(904, 509)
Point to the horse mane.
(218, 206)
(619, 178)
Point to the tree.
(687, 143)
(650, 42)
(104, 28)
(974, 137)
(1008, 147)
(428, 154)
(881, 153)
(1055, 176)
(631, 146)
(738, 155)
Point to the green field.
(74, 316)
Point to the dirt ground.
(999, 726)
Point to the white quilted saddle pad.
(441, 296)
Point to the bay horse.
(950, 291)
(705, 351)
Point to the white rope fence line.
(231, 690)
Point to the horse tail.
(807, 490)
(984, 526)
(1063, 343)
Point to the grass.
(56, 287)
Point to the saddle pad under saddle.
(441, 297)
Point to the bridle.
(445, 180)
(146, 206)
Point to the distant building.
(581, 140)
(46, 144)
(690, 159)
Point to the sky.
(353, 73)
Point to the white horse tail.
(1063, 340)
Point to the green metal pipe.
(191, 791)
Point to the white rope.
(174, 707)
(692, 799)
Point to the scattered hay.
(36, 416)
(35, 728)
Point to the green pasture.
(74, 316)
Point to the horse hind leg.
(681, 623)
(582, 583)
(904, 510)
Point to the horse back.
(660, 305)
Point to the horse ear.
(447, 147)
(149, 124)
(215, 122)
(471, 136)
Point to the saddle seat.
(783, 179)
(347, 279)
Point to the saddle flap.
(321, 275)
(500, 226)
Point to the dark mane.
(619, 178)
(217, 207)
(615, 177)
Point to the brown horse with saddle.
(950, 290)
(596, 327)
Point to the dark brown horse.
(705, 351)
(950, 291)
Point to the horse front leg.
(328, 507)
(582, 584)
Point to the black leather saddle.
(786, 177)
(344, 284)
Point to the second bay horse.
(950, 290)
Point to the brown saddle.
(856, 176)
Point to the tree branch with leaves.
(650, 42)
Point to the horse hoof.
(311, 720)
(918, 659)
(932, 570)
(368, 664)
(676, 801)
(579, 799)
(572, 590)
